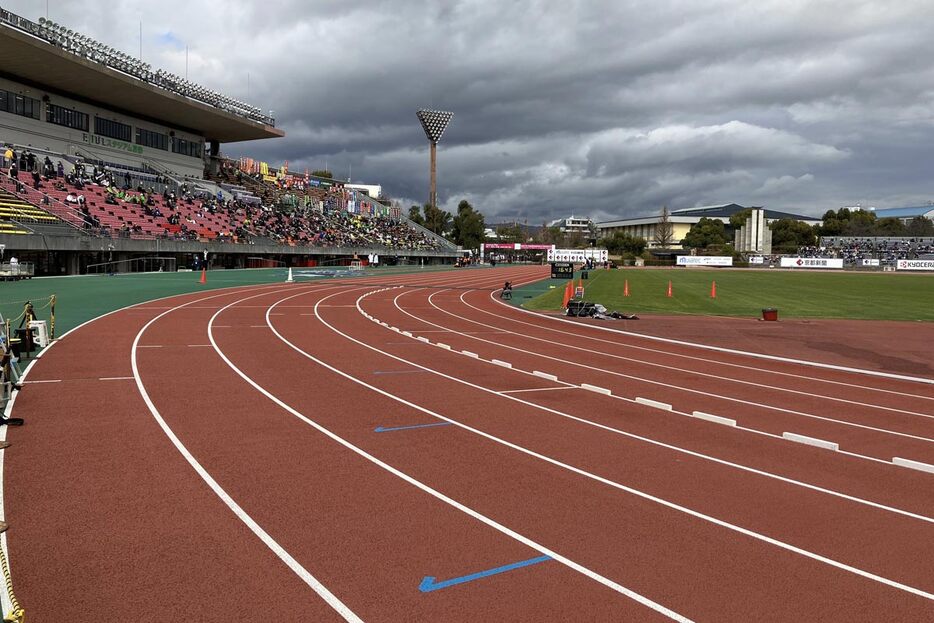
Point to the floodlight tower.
(434, 122)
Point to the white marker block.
(407, 334)
(545, 375)
(504, 364)
(654, 403)
(918, 465)
(470, 354)
(714, 418)
(811, 441)
(444, 346)
(385, 324)
(421, 339)
(594, 388)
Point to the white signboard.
(704, 260)
(578, 255)
(757, 259)
(915, 265)
(869, 262)
(812, 262)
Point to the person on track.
(507, 291)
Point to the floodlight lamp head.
(434, 123)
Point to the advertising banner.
(869, 262)
(915, 265)
(578, 255)
(704, 260)
(811, 262)
(757, 259)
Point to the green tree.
(707, 232)
(860, 223)
(468, 226)
(622, 243)
(739, 219)
(510, 233)
(890, 227)
(576, 240)
(920, 226)
(788, 235)
(437, 221)
(415, 215)
(322, 173)
(551, 235)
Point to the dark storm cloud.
(605, 109)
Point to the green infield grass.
(870, 296)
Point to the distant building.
(682, 221)
(907, 214)
(573, 224)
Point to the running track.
(215, 457)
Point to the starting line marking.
(117, 378)
(716, 419)
(654, 403)
(918, 465)
(811, 441)
(428, 583)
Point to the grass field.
(870, 296)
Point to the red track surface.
(290, 507)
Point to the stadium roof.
(722, 212)
(34, 61)
(913, 212)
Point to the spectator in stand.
(35, 179)
(14, 170)
(8, 157)
(61, 169)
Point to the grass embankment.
(869, 296)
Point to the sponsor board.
(869, 262)
(757, 259)
(578, 255)
(811, 262)
(704, 260)
(915, 265)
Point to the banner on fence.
(704, 260)
(811, 262)
(915, 265)
(869, 262)
(757, 259)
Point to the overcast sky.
(604, 109)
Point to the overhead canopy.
(45, 65)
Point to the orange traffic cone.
(204, 276)
(669, 289)
(568, 293)
(626, 288)
(713, 290)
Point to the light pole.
(434, 122)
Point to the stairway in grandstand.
(16, 213)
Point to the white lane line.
(241, 514)
(150, 345)
(717, 419)
(198, 345)
(672, 447)
(636, 492)
(661, 383)
(534, 389)
(645, 601)
(116, 378)
(42, 381)
(888, 375)
(694, 372)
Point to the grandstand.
(103, 155)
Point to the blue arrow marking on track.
(382, 429)
(428, 582)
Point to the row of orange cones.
(569, 290)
